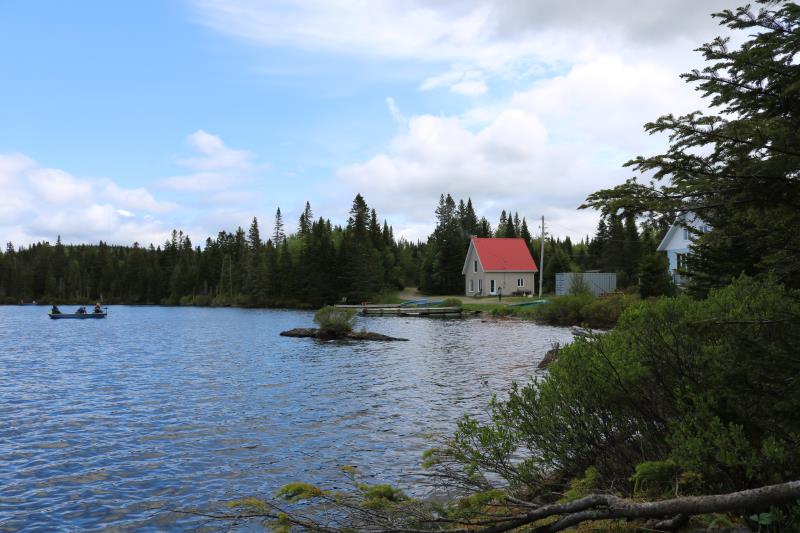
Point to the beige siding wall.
(505, 280)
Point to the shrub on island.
(335, 322)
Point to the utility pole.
(541, 261)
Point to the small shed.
(595, 282)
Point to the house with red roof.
(498, 266)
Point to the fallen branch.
(606, 506)
(665, 515)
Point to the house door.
(492, 286)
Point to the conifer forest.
(320, 263)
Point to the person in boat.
(98, 308)
(55, 310)
(81, 310)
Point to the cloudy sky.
(122, 120)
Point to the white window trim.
(480, 285)
(475, 266)
(472, 285)
(520, 282)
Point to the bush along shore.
(582, 309)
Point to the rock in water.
(315, 333)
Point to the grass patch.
(573, 310)
(388, 297)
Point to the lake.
(108, 424)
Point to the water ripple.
(105, 425)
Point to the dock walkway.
(396, 310)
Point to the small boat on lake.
(81, 313)
(55, 316)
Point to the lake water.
(107, 424)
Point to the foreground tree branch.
(606, 506)
(667, 515)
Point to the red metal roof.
(504, 254)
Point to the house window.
(472, 285)
(475, 266)
(680, 260)
(520, 282)
(685, 234)
(492, 286)
(480, 285)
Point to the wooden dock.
(396, 310)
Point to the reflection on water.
(105, 422)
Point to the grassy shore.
(573, 310)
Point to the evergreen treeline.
(619, 245)
(321, 263)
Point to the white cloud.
(459, 79)
(540, 151)
(216, 156)
(585, 77)
(469, 87)
(40, 203)
(138, 198)
(217, 168)
(394, 111)
(58, 187)
(455, 30)
(478, 39)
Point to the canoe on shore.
(527, 304)
(55, 316)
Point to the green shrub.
(452, 302)
(582, 309)
(580, 487)
(654, 278)
(707, 386)
(655, 478)
(202, 300)
(578, 285)
(335, 321)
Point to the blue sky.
(120, 121)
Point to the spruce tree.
(306, 219)
(278, 235)
(469, 220)
(484, 228)
(254, 236)
(501, 226)
(737, 167)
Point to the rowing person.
(98, 308)
(55, 310)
